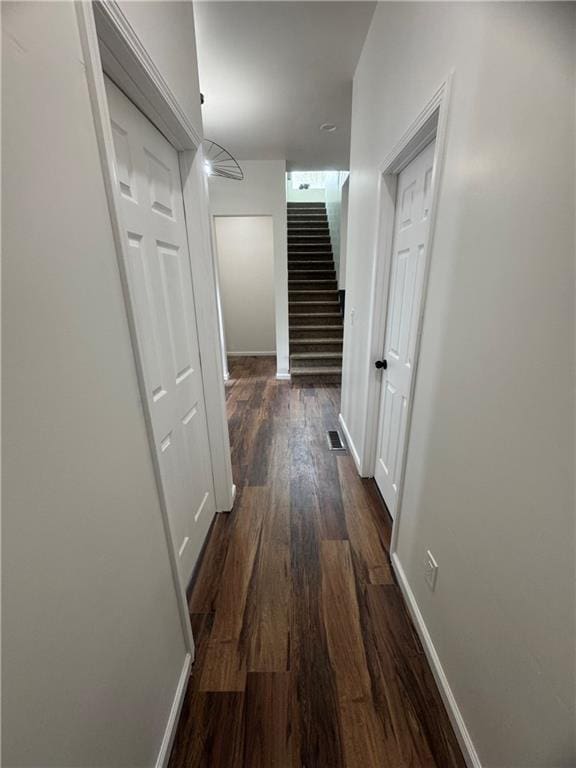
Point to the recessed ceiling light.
(328, 127)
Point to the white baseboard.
(251, 354)
(226, 376)
(283, 376)
(350, 443)
(460, 729)
(171, 725)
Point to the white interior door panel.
(407, 271)
(161, 290)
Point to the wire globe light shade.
(219, 162)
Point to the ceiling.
(273, 72)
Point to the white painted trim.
(172, 724)
(456, 718)
(233, 497)
(127, 62)
(251, 354)
(431, 123)
(195, 193)
(103, 130)
(281, 376)
(350, 444)
(222, 332)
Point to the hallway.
(306, 656)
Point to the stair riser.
(317, 227)
(313, 233)
(317, 239)
(312, 306)
(319, 362)
(312, 285)
(332, 379)
(303, 214)
(308, 247)
(306, 295)
(313, 256)
(315, 274)
(297, 319)
(306, 206)
(313, 224)
(324, 346)
(310, 265)
(324, 332)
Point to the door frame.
(111, 46)
(272, 353)
(430, 124)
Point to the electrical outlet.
(430, 570)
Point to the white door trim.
(128, 63)
(431, 123)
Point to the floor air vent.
(335, 441)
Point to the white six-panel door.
(160, 285)
(407, 270)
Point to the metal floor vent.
(335, 442)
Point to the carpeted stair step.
(314, 318)
(317, 376)
(298, 206)
(308, 227)
(299, 222)
(310, 256)
(311, 274)
(312, 331)
(308, 246)
(316, 345)
(314, 265)
(306, 307)
(312, 285)
(309, 294)
(315, 359)
(312, 232)
(318, 238)
(310, 215)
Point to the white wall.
(166, 29)
(245, 247)
(304, 195)
(92, 642)
(262, 193)
(343, 235)
(489, 481)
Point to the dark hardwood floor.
(306, 656)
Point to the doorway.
(404, 311)
(245, 256)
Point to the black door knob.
(381, 364)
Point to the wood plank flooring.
(306, 656)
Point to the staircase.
(316, 327)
